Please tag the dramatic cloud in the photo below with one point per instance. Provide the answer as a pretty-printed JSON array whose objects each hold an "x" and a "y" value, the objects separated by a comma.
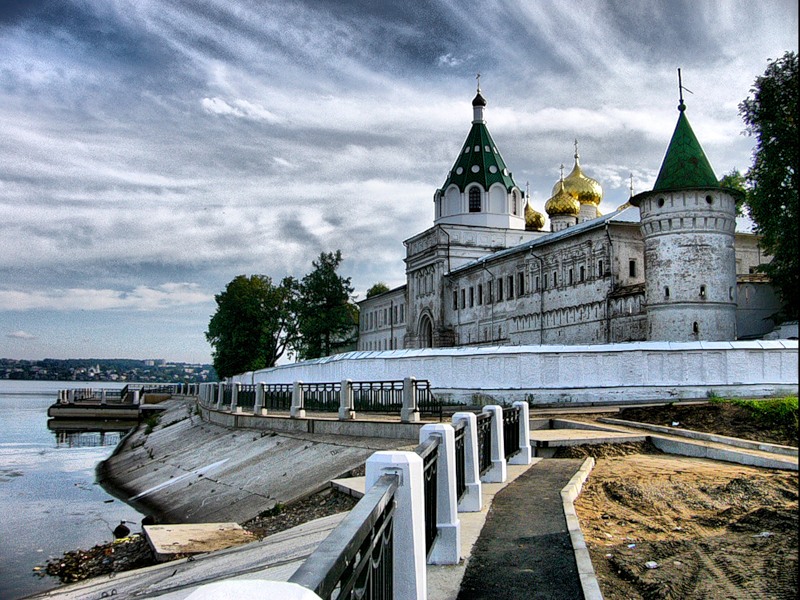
[{"x": 156, "y": 141}]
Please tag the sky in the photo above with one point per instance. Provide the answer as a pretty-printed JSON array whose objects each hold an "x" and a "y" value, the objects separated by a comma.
[{"x": 152, "y": 150}]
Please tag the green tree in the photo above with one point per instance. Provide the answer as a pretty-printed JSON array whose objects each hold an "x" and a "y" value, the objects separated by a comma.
[
  {"x": 770, "y": 115},
  {"x": 326, "y": 318},
  {"x": 253, "y": 324},
  {"x": 736, "y": 181},
  {"x": 378, "y": 288}
]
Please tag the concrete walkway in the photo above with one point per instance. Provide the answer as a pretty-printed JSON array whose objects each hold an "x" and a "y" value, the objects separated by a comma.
[{"x": 524, "y": 550}]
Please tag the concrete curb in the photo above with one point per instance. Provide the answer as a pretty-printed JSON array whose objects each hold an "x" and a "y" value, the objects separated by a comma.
[
  {"x": 706, "y": 437},
  {"x": 589, "y": 583},
  {"x": 701, "y": 449}
]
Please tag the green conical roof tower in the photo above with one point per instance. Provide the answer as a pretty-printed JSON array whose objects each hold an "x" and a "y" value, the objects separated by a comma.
[
  {"x": 479, "y": 161},
  {"x": 685, "y": 165}
]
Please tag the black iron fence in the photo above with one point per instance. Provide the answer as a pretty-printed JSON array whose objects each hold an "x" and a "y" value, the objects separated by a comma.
[
  {"x": 511, "y": 431},
  {"x": 278, "y": 396},
  {"x": 355, "y": 560},
  {"x": 377, "y": 396},
  {"x": 461, "y": 458},
  {"x": 427, "y": 403},
  {"x": 322, "y": 397},
  {"x": 246, "y": 397},
  {"x": 429, "y": 452},
  {"x": 484, "y": 426}
]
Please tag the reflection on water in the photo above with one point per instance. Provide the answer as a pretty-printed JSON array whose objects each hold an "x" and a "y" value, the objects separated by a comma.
[{"x": 88, "y": 434}]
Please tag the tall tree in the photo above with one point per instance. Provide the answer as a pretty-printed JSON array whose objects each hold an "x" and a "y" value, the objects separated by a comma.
[
  {"x": 378, "y": 288},
  {"x": 326, "y": 318},
  {"x": 253, "y": 324},
  {"x": 770, "y": 115}
]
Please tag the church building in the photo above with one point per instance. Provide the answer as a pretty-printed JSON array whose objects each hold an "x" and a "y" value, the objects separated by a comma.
[{"x": 667, "y": 265}]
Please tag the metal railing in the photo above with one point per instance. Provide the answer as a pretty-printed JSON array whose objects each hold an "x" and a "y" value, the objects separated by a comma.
[
  {"x": 511, "y": 431},
  {"x": 461, "y": 458},
  {"x": 377, "y": 396},
  {"x": 321, "y": 397},
  {"x": 427, "y": 403},
  {"x": 246, "y": 397},
  {"x": 484, "y": 426},
  {"x": 355, "y": 560},
  {"x": 277, "y": 396},
  {"x": 429, "y": 452}
]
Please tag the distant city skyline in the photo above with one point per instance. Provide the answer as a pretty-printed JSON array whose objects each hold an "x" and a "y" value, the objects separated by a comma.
[{"x": 153, "y": 150}]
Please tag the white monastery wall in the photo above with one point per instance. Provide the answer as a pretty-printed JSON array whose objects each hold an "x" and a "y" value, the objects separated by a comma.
[{"x": 634, "y": 372}]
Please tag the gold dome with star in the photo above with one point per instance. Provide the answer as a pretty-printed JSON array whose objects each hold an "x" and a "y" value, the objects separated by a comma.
[
  {"x": 584, "y": 189},
  {"x": 562, "y": 202}
]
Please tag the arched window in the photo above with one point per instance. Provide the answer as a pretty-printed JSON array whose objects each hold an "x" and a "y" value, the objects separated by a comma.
[
  {"x": 426, "y": 332},
  {"x": 514, "y": 202},
  {"x": 474, "y": 200}
]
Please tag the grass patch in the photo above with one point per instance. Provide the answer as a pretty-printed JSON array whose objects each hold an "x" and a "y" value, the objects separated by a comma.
[
  {"x": 150, "y": 423},
  {"x": 773, "y": 413}
]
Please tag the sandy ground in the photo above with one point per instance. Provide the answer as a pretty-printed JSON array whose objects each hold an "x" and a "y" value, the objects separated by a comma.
[{"x": 662, "y": 526}]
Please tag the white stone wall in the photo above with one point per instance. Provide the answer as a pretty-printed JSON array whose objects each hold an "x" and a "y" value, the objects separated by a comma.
[{"x": 639, "y": 371}]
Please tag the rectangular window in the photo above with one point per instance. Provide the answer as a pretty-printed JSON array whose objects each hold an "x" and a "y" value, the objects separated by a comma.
[
  {"x": 583, "y": 273},
  {"x": 455, "y": 300},
  {"x": 463, "y": 298},
  {"x": 471, "y": 297},
  {"x": 510, "y": 286},
  {"x": 402, "y": 312},
  {"x": 632, "y": 268},
  {"x": 500, "y": 290},
  {"x": 480, "y": 294},
  {"x": 520, "y": 284},
  {"x": 555, "y": 279},
  {"x": 385, "y": 317},
  {"x": 544, "y": 282},
  {"x": 570, "y": 277},
  {"x": 600, "y": 268},
  {"x": 537, "y": 283}
]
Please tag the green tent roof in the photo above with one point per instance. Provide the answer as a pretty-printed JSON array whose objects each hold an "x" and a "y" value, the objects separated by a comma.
[
  {"x": 479, "y": 162},
  {"x": 685, "y": 165}
]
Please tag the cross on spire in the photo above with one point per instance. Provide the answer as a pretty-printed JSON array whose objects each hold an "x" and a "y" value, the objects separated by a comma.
[
  {"x": 682, "y": 106},
  {"x": 562, "y": 171},
  {"x": 631, "y": 187},
  {"x": 478, "y": 77},
  {"x": 527, "y": 189},
  {"x": 576, "y": 149}
]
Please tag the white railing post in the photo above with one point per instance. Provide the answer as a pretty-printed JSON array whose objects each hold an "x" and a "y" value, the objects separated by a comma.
[
  {"x": 103, "y": 396},
  {"x": 136, "y": 399},
  {"x": 220, "y": 394},
  {"x": 409, "y": 568},
  {"x": 446, "y": 548},
  {"x": 523, "y": 457},
  {"x": 497, "y": 473},
  {"x": 297, "y": 410},
  {"x": 472, "y": 500},
  {"x": 410, "y": 411},
  {"x": 258, "y": 406},
  {"x": 346, "y": 408},
  {"x": 235, "y": 397}
]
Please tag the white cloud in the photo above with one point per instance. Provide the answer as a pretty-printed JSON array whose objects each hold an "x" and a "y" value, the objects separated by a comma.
[
  {"x": 21, "y": 335},
  {"x": 141, "y": 298},
  {"x": 239, "y": 108}
]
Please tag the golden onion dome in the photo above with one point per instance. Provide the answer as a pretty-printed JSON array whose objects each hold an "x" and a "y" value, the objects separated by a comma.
[
  {"x": 562, "y": 202},
  {"x": 534, "y": 220},
  {"x": 584, "y": 189}
]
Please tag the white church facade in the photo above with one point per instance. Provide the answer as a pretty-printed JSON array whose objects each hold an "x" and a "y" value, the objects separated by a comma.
[{"x": 667, "y": 265}]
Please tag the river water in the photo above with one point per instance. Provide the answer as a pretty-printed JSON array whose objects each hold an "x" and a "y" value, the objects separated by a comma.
[{"x": 49, "y": 500}]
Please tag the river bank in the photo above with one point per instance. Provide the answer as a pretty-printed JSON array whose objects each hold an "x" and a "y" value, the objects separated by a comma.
[{"x": 49, "y": 498}]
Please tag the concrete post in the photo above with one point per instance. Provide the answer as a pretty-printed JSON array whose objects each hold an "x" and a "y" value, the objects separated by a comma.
[
  {"x": 410, "y": 412},
  {"x": 136, "y": 399},
  {"x": 497, "y": 473},
  {"x": 446, "y": 548},
  {"x": 220, "y": 394},
  {"x": 472, "y": 500},
  {"x": 523, "y": 457},
  {"x": 297, "y": 411},
  {"x": 258, "y": 407},
  {"x": 410, "y": 571},
  {"x": 235, "y": 397},
  {"x": 346, "y": 409},
  {"x": 103, "y": 396},
  {"x": 251, "y": 590}
]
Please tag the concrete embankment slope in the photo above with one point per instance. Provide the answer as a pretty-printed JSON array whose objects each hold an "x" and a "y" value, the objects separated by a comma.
[{"x": 189, "y": 471}]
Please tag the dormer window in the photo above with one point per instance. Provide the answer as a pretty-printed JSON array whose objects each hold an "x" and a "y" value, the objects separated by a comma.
[{"x": 474, "y": 200}]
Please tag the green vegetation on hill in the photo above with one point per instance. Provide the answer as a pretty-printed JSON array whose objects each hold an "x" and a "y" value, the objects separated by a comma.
[{"x": 105, "y": 369}]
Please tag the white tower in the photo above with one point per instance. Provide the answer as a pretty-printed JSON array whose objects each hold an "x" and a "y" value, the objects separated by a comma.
[{"x": 688, "y": 224}]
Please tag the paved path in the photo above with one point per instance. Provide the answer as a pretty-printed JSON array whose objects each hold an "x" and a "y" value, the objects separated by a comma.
[{"x": 524, "y": 549}]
